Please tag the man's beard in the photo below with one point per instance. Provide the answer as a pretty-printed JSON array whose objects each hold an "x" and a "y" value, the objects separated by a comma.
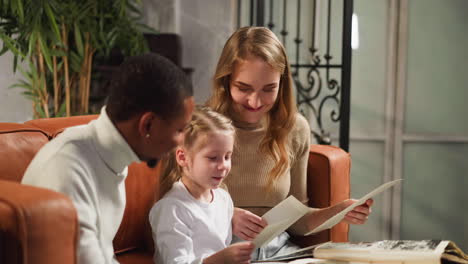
[{"x": 152, "y": 163}]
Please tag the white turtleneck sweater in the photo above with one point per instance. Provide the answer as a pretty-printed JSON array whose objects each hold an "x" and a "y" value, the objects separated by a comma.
[{"x": 88, "y": 163}]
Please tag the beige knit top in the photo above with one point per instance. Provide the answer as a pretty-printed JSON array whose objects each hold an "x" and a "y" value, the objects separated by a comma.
[{"x": 248, "y": 180}]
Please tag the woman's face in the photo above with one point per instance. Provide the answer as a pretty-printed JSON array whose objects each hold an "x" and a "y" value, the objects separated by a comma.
[{"x": 254, "y": 88}]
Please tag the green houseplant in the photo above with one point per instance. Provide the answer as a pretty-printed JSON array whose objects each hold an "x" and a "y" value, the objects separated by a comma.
[{"x": 54, "y": 43}]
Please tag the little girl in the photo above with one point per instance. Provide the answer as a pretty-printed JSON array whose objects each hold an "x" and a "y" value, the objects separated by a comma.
[{"x": 192, "y": 222}]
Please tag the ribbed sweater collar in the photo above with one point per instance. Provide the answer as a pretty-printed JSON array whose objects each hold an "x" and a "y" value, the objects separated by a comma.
[
  {"x": 238, "y": 123},
  {"x": 113, "y": 148}
]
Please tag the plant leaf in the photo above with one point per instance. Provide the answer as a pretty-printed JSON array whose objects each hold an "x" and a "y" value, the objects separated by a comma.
[
  {"x": 146, "y": 29},
  {"x": 78, "y": 39},
  {"x": 85, "y": 10},
  {"x": 10, "y": 43},
  {"x": 25, "y": 86},
  {"x": 52, "y": 19},
  {"x": 46, "y": 54},
  {"x": 62, "y": 110},
  {"x": 40, "y": 110},
  {"x": 15, "y": 63},
  {"x": 25, "y": 74},
  {"x": 4, "y": 50},
  {"x": 32, "y": 42},
  {"x": 58, "y": 53},
  {"x": 21, "y": 11},
  {"x": 75, "y": 61},
  {"x": 134, "y": 8}
]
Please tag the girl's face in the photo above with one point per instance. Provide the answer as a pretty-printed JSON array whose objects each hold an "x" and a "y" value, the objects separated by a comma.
[
  {"x": 254, "y": 88},
  {"x": 206, "y": 167}
]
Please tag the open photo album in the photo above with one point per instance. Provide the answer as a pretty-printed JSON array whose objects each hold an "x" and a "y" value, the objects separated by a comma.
[{"x": 385, "y": 251}]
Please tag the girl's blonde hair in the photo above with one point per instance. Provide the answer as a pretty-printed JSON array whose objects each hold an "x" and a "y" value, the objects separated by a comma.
[
  {"x": 262, "y": 43},
  {"x": 204, "y": 121}
]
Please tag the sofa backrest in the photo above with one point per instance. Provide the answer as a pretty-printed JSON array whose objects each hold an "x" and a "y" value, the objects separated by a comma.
[
  {"x": 20, "y": 142},
  {"x": 18, "y": 145}
]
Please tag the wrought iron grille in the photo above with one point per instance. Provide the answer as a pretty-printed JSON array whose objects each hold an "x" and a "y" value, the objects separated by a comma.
[{"x": 321, "y": 73}]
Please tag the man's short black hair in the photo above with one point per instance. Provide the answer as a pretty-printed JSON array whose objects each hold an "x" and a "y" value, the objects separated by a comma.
[{"x": 147, "y": 83}]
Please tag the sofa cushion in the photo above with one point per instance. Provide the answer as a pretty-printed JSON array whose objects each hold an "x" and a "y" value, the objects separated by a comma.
[
  {"x": 19, "y": 143},
  {"x": 34, "y": 223},
  {"x": 54, "y": 126},
  {"x": 142, "y": 190}
]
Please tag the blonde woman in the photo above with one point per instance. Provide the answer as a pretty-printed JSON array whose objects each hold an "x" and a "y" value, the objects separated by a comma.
[{"x": 253, "y": 86}]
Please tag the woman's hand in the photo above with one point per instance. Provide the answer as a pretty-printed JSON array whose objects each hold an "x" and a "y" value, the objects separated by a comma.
[
  {"x": 247, "y": 225},
  {"x": 359, "y": 214}
]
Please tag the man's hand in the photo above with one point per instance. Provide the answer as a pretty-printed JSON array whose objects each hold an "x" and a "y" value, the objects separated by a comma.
[
  {"x": 247, "y": 225},
  {"x": 238, "y": 253}
]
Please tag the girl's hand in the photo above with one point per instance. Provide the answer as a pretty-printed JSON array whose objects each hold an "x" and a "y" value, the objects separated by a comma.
[
  {"x": 238, "y": 253},
  {"x": 359, "y": 214},
  {"x": 247, "y": 225}
]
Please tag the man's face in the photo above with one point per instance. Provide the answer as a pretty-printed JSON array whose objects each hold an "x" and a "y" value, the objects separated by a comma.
[{"x": 166, "y": 134}]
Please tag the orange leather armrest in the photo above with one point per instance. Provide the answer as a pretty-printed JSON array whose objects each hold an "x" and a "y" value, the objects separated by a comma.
[
  {"x": 328, "y": 183},
  {"x": 36, "y": 225}
]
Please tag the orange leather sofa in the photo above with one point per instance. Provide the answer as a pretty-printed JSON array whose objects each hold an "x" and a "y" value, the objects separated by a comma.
[{"x": 39, "y": 226}]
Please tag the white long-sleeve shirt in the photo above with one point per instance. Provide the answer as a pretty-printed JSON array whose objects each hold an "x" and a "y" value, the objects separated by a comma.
[
  {"x": 88, "y": 163},
  {"x": 185, "y": 230}
]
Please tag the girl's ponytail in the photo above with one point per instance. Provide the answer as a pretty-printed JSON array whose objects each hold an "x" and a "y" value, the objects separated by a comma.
[{"x": 170, "y": 173}]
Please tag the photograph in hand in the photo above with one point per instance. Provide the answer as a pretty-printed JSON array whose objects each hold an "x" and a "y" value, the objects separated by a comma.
[{"x": 286, "y": 213}]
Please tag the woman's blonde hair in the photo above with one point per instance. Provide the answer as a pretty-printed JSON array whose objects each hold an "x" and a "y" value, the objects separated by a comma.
[
  {"x": 262, "y": 43},
  {"x": 204, "y": 121}
]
